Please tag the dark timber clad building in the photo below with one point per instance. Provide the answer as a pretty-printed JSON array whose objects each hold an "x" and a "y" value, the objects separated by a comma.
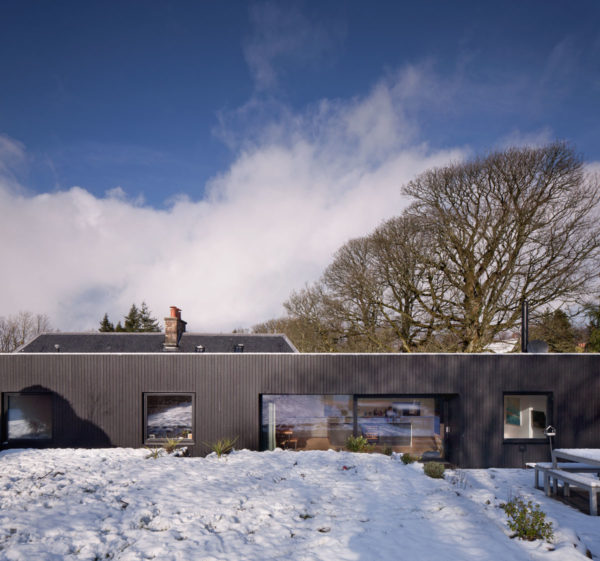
[{"x": 474, "y": 410}]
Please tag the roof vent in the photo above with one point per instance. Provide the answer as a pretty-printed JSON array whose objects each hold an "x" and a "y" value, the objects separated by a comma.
[
  {"x": 57, "y": 348},
  {"x": 238, "y": 348},
  {"x": 200, "y": 348}
]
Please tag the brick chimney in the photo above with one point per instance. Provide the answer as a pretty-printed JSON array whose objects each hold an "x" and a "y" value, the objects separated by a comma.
[{"x": 174, "y": 329}]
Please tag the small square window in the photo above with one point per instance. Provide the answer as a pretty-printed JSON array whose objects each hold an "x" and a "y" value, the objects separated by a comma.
[
  {"x": 168, "y": 416},
  {"x": 28, "y": 417},
  {"x": 525, "y": 415}
]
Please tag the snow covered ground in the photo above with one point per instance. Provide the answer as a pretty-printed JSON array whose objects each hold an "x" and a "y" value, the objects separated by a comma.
[{"x": 117, "y": 504}]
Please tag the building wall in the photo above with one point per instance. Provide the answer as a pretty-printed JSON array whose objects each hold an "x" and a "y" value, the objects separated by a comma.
[{"x": 99, "y": 398}]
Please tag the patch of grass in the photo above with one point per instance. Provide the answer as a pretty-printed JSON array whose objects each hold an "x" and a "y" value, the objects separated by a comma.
[
  {"x": 358, "y": 444},
  {"x": 528, "y": 521},
  {"x": 434, "y": 470},
  {"x": 222, "y": 447}
]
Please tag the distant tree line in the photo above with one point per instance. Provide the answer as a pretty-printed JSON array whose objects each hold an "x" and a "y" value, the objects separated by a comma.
[
  {"x": 20, "y": 329},
  {"x": 451, "y": 271},
  {"x": 137, "y": 320}
]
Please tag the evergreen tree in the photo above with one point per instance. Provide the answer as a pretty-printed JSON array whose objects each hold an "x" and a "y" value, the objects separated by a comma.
[
  {"x": 147, "y": 322},
  {"x": 593, "y": 314},
  {"x": 555, "y": 328},
  {"x": 106, "y": 325},
  {"x": 132, "y": 319},
  {"x": 137, "y": 320}
]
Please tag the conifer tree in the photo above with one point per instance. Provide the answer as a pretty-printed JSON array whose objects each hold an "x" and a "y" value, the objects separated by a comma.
[
  {"x": 593, "y": 314},
  {"x": 106, "y": 325},
  {"x": 147, "y": 322},
  {"x": 132, "y": 319},
  {"x": 137, "y": 320}
]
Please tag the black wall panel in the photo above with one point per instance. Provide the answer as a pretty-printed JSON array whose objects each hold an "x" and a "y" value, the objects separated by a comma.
[{"x": 98, "y": 397}]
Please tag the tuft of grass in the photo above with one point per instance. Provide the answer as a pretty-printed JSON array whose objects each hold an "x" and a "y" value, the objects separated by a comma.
[
  {"x": 222, "y": 447},
  {"x": 527, "y": 520},
  {"x": 358, "y": 444},
  {"x": 434, "y": 469},
  {"x": 171, "y": 444},
  {"x": 154, "y": 453}
]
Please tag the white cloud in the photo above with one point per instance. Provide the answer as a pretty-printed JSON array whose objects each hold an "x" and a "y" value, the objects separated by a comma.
[
  {"x": 534, "y": 139},
  {"x": 283, "y": 34},
  {"x": 271, "y": 222}
]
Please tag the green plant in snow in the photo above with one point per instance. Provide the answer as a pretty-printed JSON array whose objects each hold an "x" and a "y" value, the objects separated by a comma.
[
  {"x": 434, "y": 469},
  {"x": 222, "y": 446},
  {"x": 388, "y": 451},
  {"x": 527, "y": 520},
  {"x": 408, "y": 458},
  {"x": 171, "y": 444},
  {"x": 358, "y": 444},
  {"x": 154, "y": 453}
]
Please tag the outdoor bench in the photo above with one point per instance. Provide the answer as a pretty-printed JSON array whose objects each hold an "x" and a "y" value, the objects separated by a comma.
[
  {"x": 566, "y": 466},
  {"x": 568, "y": 478}
]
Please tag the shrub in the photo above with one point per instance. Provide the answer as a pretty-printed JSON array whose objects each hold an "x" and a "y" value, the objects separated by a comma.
[
  {"x": 171, "y": 444},
  {"x": 434, "y": 469},
  {"x": 408, "y": 459},
  {"x": 388, "y": 451},
  {"x": 222, "y": 446},
  {"x": 358, "y": 444},
  {"x": 528, "y": 521}
]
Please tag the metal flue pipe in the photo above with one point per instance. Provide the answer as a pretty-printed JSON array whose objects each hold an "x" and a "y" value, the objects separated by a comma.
[{"x": 524, "y": 326}]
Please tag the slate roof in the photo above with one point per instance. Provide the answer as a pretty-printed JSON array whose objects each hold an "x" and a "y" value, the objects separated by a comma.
[{"x": 153, "y": 343}]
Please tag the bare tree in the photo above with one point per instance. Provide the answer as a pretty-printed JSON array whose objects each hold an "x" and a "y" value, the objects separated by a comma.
[
  {"x": 398, "y": 246},
  {"x": 316, "y": 327},
  {"x": 21, "y": 328},
  {"x": 519, "y": 224},
  {"x": 450, "y": 273}
]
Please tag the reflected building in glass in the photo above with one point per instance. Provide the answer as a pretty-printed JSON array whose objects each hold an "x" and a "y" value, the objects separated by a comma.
[{"x": 320, "y": 422}]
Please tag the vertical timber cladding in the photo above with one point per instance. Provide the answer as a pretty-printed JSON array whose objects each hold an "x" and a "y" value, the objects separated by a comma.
[{"x": 99, "y": 397}]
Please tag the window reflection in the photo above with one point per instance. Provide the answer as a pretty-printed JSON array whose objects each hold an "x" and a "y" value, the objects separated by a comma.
[
  {"x": 406, "y": 424},
  {"x": 320, "y": 422},
  {"x": 168, "y": 416},
  {"x": 29, "y": 417},
  {"x": 308, "y": 422}
]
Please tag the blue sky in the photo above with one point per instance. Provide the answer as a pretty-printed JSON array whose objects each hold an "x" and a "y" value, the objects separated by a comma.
[{"x": 189, "y": 140}]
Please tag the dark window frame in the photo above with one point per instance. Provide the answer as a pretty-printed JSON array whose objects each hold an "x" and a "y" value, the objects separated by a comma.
[
  {"x": 160, "y": 441},
  {"x": 30, "y": 442},
  {"x": 549, "y": 417}
]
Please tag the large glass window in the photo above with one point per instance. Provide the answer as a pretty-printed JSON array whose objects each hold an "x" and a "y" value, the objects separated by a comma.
[
  {"x": 319, "y": 422},
  {"x": 525, "y": 415},
  {"x": 308, "y": 422},
  {"x": 168, "y": 416},
  {"x": 28, "y": 416},
  {"x": 406, "y": 424}
]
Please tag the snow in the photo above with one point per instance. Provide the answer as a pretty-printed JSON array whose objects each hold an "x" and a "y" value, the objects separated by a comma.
[
  {"x": 592, "y": 454},
  {"x": 119, "y": 504}
]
